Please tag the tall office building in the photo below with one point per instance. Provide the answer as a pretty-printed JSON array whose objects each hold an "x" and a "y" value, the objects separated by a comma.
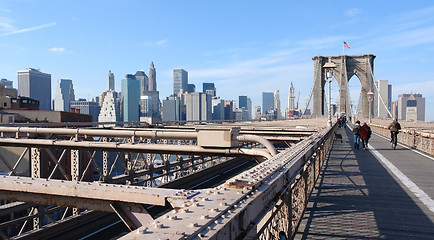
[
  {"x": 111, "y": 81},
  {"x": 277, "y": 104},
  {"x": 191, "y": 88},
  {"x": 209, "y": 88},
  {"x": 152, "y": 85},
  {"x": 291, "y": 98},
  {"x": 417, "y": 107},
  {"x": 245, "y": 102},
  {"x": 64, "y": 95},
  {"x": 218, "y": 108},
  {"x": 257, "y": 112},
  {"x": 110, "y": 107},
  {"x": 198, "y": 106},
  {"x": 6, "y": 83},
  {"x": 180, "y": 81},
  {"x": 384, "y": 105},
  {"x": 242, "y": 102},
  {"x": 143, "y": 80},
  {"x": 35, "y": 84},
  {"x": 172, "y": 109},
  {"x": 83, "y": 106},
  {"x": 267, "y": 102},
  {"x": 130, "y": 98}
]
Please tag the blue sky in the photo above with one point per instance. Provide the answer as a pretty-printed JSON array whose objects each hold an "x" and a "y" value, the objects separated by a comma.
[{"x": 244, "y": 47}]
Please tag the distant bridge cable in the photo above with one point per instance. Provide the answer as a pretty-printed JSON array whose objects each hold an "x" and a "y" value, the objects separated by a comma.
[
  {"x": 318, "y": 75},
  {"x": 376, "y": 88}
]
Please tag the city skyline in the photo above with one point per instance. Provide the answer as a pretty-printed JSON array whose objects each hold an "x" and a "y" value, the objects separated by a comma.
[{"x": 227, "y": 50}]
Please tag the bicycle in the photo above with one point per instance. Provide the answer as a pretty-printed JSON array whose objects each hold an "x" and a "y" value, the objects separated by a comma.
[{"x": 394, "y": 140}]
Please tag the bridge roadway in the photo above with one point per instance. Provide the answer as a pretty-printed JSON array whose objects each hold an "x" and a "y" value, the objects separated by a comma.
[{"x": 379, "y": 193}]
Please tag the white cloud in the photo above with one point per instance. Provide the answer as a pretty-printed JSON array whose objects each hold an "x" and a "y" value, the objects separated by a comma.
[
  {"x": 352, "y": 12},
  {"x": 159, "y": 43},
  {"x": 162, "y": 42},
  {"x": 6, "y": 24},
  {"x": 57, "y": 49},
  {"x": 29, "y": 29}
]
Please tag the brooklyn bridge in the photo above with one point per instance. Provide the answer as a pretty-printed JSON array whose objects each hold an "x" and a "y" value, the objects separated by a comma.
[{"x": 288, "y": 179}]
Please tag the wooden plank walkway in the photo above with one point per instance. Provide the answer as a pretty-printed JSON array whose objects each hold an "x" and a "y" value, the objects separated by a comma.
[{"x": 358, "y": 197}]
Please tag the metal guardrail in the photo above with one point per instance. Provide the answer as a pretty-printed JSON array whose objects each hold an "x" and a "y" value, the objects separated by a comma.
[
  {"x": 421, "y": 141},
  {"x": 285, "y": 216}
]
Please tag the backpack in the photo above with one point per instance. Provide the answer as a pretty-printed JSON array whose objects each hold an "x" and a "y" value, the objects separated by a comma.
[
  {"x": 356, "y": 130},
  {"x": 397, "y": 126}
]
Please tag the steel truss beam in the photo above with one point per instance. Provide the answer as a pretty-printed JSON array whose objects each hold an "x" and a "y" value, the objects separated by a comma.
[
  {"x": 229, "y": 210},
  {"x": 86, "y": 195}
]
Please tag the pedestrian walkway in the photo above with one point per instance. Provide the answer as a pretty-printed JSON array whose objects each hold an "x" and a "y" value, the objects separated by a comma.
[{"x": 359, "y": 197}]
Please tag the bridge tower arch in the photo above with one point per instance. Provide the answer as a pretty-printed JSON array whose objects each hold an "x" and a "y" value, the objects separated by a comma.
[{"x": 346, "y": 67}]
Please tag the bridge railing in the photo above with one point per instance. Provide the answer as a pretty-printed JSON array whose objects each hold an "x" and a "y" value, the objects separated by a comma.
[
  {"x": 285, "y": 217},
  {"x": 421, "y": 141}
]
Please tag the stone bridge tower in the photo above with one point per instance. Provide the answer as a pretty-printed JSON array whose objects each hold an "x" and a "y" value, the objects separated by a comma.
[{"x": 346, "y": 66}]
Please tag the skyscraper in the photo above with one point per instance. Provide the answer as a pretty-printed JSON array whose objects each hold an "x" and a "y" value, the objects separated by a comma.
[
  {"x": 245, "y": 102},
  {"x": 198, "y": 106},
  {"x": 110, "y": 107},
  {"x": 64, "y": 95},
  {"x": 291, "y": 98},
  {"x": 209, "y": 88},
  {"x": 35, "y": 84},
  {"x": 143, "y": 80},
  {"x": 180, "y": 81},
  {"x": 172, "y": 109},
  {"x": 267, "y": 102},
  {"x": 417, "y": 106},
  {"x": 191, "y": 88},
  {"x": 385, "y": 91},
  {"x": 111, "y": 81},
  {"x": 152, "y": 86},
  {"x": 277, "y": 104},
  {"x": 131, "y": 98}
]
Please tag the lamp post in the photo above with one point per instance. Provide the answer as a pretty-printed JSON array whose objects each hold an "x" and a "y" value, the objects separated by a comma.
[
  {"x": 370, "y": 99},
  {"x": 328, "y": 67}
]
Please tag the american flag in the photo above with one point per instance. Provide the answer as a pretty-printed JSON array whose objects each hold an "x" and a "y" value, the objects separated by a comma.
[{"x": 346, "y": 45}]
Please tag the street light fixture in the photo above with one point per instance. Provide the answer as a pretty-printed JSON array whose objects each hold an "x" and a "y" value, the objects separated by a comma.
[
  {"x": 328, "y": 67},
  {"x": 370, "y": 99}
]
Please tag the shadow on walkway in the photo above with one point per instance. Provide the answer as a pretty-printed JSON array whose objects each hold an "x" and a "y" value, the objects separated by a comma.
[{"x": 357, "y": 198}]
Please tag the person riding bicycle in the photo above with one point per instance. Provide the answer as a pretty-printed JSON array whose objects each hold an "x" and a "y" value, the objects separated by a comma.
[{"x": 394, "y": 129}]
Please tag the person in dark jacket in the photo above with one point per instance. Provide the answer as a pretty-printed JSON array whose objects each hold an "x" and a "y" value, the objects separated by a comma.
[
  {"x": 394, "y": 129},
  {"x": 365, "y": 134}
]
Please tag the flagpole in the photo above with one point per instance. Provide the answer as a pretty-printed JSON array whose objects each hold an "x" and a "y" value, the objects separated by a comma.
[{"x": 343, "y": 49}]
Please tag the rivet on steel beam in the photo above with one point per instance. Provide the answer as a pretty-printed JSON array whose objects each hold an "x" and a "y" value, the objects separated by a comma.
[
  {"x": 141, "y": 230},
  {"x": 193, "y": 224},
  {"x": 158, "y": 225}
]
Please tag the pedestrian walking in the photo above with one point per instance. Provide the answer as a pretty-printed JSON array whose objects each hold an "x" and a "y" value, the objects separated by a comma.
[
  {"x": 365, "y": 134},
  {"x": 356, "y": 132}
]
